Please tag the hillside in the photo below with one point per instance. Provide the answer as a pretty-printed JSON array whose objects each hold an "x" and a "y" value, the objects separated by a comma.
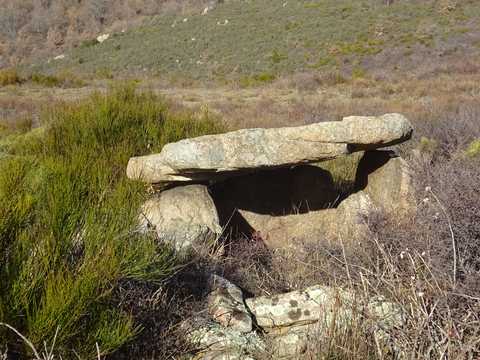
[
  {"x": 29, "y": 28},
  {"x": 340, "y": 222},
  {"x": 255, "y": 41}
]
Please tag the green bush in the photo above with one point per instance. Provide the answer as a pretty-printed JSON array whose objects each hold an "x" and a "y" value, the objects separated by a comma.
[
  {"x": 9, "y": 77},
  {"x": 45, "y": 80},
  {"x": 66, "y": 218},
  {"x": 427, "y": 146},
  {"x": 473, "y": 149},
  {"x": 88, "y": 43},
  {"x": 256, "y": 80},
  {"x": 64, "y": 79}
]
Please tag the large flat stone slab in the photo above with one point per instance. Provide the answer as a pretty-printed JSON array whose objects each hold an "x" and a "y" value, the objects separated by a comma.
[
  {"x": 347, "y": 221},
  {"x": 213, "y": 156}
]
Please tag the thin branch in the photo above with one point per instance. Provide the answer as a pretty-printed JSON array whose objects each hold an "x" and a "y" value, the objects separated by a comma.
[
  {"x": 23, "y": 338},
  {"x": 454, "y": 244}
]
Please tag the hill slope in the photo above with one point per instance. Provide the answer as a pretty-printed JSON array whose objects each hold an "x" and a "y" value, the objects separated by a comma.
[{"x": 268, "y": 38}]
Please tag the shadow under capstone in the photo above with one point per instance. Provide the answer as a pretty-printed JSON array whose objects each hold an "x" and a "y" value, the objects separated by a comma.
[
  {"x": 371, "y": 161},
  {"x": 276, "y": 192},
  {"x": 307, "y": 193}
]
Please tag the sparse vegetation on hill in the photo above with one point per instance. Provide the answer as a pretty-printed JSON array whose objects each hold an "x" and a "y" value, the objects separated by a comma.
[
  {"x": 256, "y": 40},
  {"x": 42, "y": 28}
]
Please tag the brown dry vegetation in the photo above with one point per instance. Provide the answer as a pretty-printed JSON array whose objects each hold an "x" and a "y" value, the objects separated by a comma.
[{"x": 39, "y": 27}]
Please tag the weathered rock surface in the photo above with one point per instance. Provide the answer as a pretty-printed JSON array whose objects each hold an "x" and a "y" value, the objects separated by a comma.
[
  {"x": 348, "y": 221},
  {"x": 388, "y": 180},
  {"x": 207, "y": 157},
  {"x": 226, "y": 305},
  {"x": 185, "y": 217},
  {"x": 293, "y": 321},
  {"x": 218, "y": 342},
  {"x": 229, "y": 354},
  {"x": 317, "y": 303},
  {"x": 292, "y": 342}
]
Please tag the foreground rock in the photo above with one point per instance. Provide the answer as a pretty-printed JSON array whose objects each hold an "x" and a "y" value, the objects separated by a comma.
[
  {"x": 226, "y": 305},
  {"x": 185, "y": 217},
  {"x": 289, "y": 324},
  {"x": 216, "y": 156},
  {"x": 295, "y": 321},
  {"x": 301, "y": 307},
  {"x": 217, "y": 342}
]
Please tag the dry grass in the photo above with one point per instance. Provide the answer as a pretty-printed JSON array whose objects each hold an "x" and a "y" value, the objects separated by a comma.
[{"x": 9, "y": 77}]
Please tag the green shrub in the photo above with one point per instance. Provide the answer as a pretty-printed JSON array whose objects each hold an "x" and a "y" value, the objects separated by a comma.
[
  {"x": 45, "y": 80},
  {"x": 9, "y": 77},
  {"x": 256, "y": 80},
  {"x": 88, "y": 43},
  {"x": 104, "y": 73},
  {"x": 428, "y": 146},
  {"x": 358, "y": 73},
  {"x": 473, "y": 149},
  {"x": 277, "y": 57},
  {"x": 66, "y": 218},
  {"x": 63, "y": 79}
]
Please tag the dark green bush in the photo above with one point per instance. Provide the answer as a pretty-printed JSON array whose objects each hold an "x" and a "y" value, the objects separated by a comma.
[{"x": 66, "y": 218}]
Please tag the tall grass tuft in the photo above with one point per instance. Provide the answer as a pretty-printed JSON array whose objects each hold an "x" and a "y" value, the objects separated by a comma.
[
  {"x": 67, "y": 214},
  {"x": 9, "y": 77}
]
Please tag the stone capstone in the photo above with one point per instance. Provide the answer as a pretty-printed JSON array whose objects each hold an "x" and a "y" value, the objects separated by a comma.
[
  {"x": 215, "y": 156},
  {"x": 184, "y": 217}
]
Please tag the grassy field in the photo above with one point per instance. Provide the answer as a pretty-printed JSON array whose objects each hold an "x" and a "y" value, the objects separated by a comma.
[{"x": 256, "y": 41}]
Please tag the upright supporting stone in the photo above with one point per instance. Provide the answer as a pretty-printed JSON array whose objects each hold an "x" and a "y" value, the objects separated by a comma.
[
  {"x": 387, "y": 179},
  {"x": 185, "y": 217}
]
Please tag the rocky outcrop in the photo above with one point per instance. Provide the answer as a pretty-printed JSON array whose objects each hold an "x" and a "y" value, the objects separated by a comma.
[
  {"x": 269, "y": 183},
  {"x": 300, "y": 307},
  {"x": 293, "y": 321},
  {"x": 214, "y": 157},
  {"x": 184, "y": 217},
  {"x": 217, "y": 342},
  {"x": 226, "y": 305},
  {"x": 273, "y": 186}
]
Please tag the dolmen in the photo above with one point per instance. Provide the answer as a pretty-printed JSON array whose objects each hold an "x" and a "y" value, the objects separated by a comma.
[{"x": 272, "y": 183}]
